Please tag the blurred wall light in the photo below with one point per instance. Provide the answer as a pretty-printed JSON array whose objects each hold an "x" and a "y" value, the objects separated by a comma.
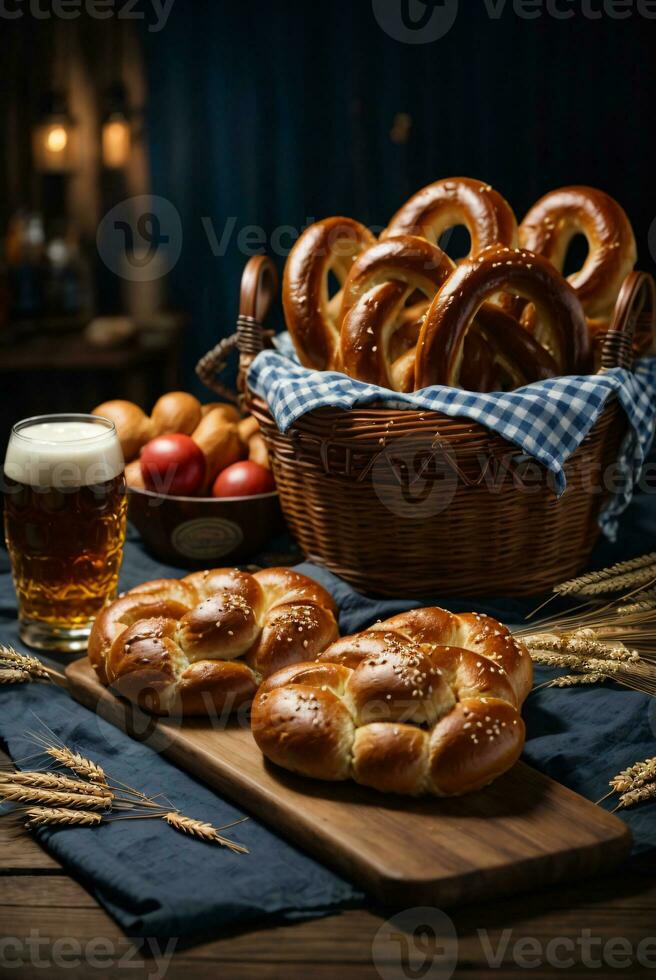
[
  {"x": 117, "y": 129},
  {"x": 54, "y": 137}
]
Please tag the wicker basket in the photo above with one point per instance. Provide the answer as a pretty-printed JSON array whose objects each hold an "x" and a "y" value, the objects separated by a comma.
[{"x": 416, "y": 503}]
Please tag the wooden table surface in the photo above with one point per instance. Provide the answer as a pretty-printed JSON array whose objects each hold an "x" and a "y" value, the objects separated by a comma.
[{"x": 599, "y": 922}]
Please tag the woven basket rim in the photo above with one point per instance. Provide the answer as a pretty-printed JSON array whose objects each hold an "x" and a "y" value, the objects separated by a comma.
[{"x": 371, "y": 420}]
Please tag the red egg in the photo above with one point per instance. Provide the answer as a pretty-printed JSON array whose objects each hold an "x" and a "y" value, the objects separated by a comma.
[
  {"x": 243, "y": 479},
  {"x": 173, "y": 464}
]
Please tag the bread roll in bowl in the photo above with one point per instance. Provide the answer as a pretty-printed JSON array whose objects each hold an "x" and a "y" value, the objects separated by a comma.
[
  {"x": 229, "y": 412},
  {"x": 177, "y": 411},
  {"x": 219, "y": 440},
  {"x": 133, "y": 427},
  {"x": 202, "y": 644},
  {"x": 426, "y": 702},
  {"x": 258, "y": 452},
  {"x": 247, "y": 428}
]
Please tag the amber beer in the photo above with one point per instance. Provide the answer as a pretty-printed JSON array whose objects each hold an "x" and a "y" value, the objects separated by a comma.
[{"x": 65, "y": 513}]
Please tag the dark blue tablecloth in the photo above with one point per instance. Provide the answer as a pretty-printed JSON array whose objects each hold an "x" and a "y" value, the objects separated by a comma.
[{"x": 157, "y": 883}]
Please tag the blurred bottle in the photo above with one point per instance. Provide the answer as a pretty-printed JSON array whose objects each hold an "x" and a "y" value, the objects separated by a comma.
[
  {"x": 5, "y": 300},
  {"x": 25, "y": 252},
  {"x": 67, "y": 291}
]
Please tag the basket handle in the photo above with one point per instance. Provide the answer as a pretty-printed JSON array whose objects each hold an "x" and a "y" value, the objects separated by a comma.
[
  {"x": 259, "y": 286},
  {"x": 633, "y": 328}
]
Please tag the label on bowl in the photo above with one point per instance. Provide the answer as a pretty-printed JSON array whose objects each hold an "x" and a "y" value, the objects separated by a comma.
[{"x": 206, "y": 537}]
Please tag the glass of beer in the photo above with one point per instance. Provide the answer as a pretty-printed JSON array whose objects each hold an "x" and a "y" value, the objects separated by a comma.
[{"x": 65, "y": 514}]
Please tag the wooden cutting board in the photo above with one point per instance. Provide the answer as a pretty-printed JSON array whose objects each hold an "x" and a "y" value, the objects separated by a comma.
[{"x": 523, "y": 832}]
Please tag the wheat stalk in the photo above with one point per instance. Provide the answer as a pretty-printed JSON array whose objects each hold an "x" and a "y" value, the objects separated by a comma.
[
  {"x": 17, "y": 793},
  {"x": 636, "y": 796},
  {"x": 582, "y": 643},
  {"x": 611, "y": 579},
  {"x": 12, "y": 675},
  {"x": 52, "y": 780},
  {"x": 574, "y": 680},
  {"x": 77, "y": 763},
  {"x": 39, "y": 816},
  {"x": 73, "y": 801},
  {"x": 11, "y": 659},
  {"x": 635, "y": 776},
  {"x": 201, "y": 830}
]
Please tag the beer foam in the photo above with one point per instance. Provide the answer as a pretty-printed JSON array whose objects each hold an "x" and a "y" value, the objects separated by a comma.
[{"x": 64, "y": 454}]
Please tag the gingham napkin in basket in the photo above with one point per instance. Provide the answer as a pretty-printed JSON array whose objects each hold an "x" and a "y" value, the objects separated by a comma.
[{"x": 547, "y": 420}]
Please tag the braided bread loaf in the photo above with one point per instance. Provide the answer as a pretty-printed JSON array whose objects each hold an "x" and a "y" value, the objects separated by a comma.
[
  {"x": 203, "y": 643},
  {"x": 425, "y": 702}
]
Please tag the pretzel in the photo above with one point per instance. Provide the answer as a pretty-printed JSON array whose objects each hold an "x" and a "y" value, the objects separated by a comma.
[
  {"x": 424, "y": 703},
  {"x": 311, "y": 315},
  {"x": 454, "y": 201},
  {"x": 379, "y": 331},
  {"x": 563, "y": 329},
  {"x": 500, "y": 355},
  {"x": 556, "y": 218},
  {"x": 202, "y": 643}
]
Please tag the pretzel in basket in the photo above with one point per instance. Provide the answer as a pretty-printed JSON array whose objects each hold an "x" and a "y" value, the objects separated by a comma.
[
  {"x": 201, "y": 644},
  {"x": 500, "y": 355},
  {"x": 444, "y": 204},
  {"x": 558, "y": 217},
  {"x": 312, "y": 315},
  {"x": 379, "y": 330},
  {"x": 426, "y": 702},
  {"x": 563, "y": 328}
]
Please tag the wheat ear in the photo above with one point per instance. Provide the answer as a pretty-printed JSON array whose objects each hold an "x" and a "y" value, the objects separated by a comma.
[
  {"x": 16, "y": 793},
  {"x": 77, "y": 763},
  {"x": 636, "y": 796},
  {"x": 36, "y": 670},
  {"x": 582, "y": 645},
  {"x": 40, "y": 816},
  {"x": 13, "y": 675},
  {"x": 573, "y": 680},
  {"x": 201, "y": 830},
  {"x": 53, "y": 780},
  {"x": 635, "y": 776},
  {"x": 613, "y": 574}
]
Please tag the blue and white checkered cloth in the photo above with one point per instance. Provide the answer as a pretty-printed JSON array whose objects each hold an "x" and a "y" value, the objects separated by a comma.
[{"x": 547, "y": 420}]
